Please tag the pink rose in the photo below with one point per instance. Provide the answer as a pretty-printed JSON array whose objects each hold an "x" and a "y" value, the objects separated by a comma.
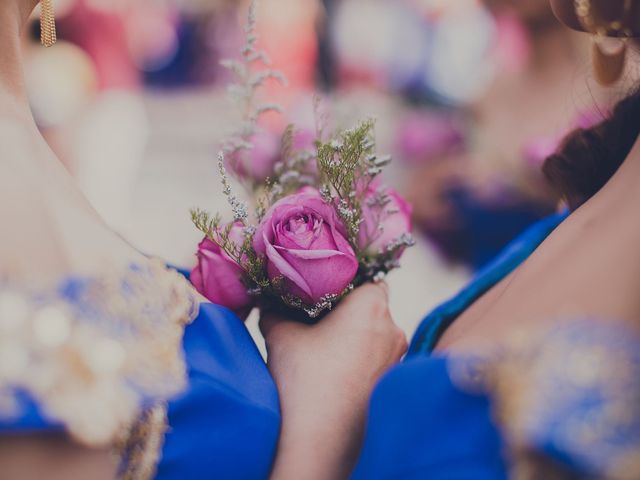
[
  {"x": 304, "y": 242},
  {"x": 257, "y": 163},
  {"x": 218, "y": 277},
  {"x": 383, "y": 223}
]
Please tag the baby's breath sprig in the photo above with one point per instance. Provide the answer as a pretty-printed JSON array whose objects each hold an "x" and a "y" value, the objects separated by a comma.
[
  {"x": 250, "y": 72},
  {"x": 325, "y": 304},
  {"x": 320, "y": 117},
  {"x": 239, "y": 208},
  {"x": 375, "y": 266}
]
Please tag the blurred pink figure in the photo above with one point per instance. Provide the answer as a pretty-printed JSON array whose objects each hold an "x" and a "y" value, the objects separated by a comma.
[
  {"x": 292, "y": 19},
  {"x": 424, "y": 136},
  {"x": 102, "y": 34},
  {"x": 538, "y": 150},
  {"x": 513, "y": 43}
]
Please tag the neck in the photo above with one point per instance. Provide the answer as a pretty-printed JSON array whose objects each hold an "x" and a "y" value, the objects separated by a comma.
[
  {"x": 13, "y": 95},
  {"x": 622, "y": 192},
  {"x": 629, "y": 172}
]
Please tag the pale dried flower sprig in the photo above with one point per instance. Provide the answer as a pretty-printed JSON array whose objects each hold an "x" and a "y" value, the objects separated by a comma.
[
  {"x": 251, "y": 72},
  {"x": 239, "y": 208},
  {"x": 349, "y": 166}
]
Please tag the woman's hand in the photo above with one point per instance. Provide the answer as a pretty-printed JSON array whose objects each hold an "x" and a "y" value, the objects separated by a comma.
[{"x": 325, "y": 375}]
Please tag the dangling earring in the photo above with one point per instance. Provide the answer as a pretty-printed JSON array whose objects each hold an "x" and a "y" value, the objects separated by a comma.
[
  {"x": 48, "y": 35},
  {"x": 609, "y": 58},
  {"x": 608, "y": 54}
]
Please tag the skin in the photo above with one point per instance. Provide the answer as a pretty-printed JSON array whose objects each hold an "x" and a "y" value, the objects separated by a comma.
[
  {"x": 571, "y": 272},
  {"x": 53, "y": 457},
  {"x": 545, "y": 88}
]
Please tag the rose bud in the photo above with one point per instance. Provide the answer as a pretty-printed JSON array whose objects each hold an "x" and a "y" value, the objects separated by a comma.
[
  {"x": 257, "y": 163},
  {"x": 386, "y": 218},
  {"x": 218, "y": 277}
]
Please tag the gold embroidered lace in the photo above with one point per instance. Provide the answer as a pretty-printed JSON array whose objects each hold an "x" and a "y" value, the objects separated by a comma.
[{"x": 94, "y": 352}]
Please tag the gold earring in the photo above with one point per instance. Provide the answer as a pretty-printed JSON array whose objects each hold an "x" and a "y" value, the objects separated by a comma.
[
  {"x": 609, "y": 60},
  {"x": 48, "y": 34},
  {"x": 608, "y": 55}
]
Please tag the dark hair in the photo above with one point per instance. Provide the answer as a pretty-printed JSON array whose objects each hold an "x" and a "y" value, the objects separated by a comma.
[{"x": 588, "y": 158}]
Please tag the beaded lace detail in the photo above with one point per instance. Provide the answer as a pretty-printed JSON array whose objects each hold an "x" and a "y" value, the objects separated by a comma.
[
  {"x": 575, "y": 393},
  {"x": 94, "y": 352}
]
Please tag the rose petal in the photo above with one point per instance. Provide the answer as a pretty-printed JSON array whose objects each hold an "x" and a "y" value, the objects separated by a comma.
[
  {"x": 310, "y": 254},
  {"x": 324, "y": 275},
  {"x": 285, "y": 268}
]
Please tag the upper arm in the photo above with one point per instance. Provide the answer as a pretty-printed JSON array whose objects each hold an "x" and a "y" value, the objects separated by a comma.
[{"x": 54, "y": 457}]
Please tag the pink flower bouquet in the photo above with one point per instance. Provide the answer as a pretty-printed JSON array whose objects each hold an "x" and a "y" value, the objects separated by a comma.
[
  {"x": 310, "y": 242},
  {"x": 322, "y": 223}
]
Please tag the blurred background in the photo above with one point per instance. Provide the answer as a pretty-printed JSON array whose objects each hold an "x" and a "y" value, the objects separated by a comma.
[{"x": 470, "y": 97}]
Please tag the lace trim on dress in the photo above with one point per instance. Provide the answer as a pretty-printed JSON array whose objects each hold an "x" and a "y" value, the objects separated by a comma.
[
  {"x": 140, "y": 450},
  {"x": 568, "y": 405},
  {"x": 93, "y": 352}
]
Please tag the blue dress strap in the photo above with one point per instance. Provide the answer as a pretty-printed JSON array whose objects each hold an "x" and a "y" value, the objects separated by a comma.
[{"x": 437, "y": 322}]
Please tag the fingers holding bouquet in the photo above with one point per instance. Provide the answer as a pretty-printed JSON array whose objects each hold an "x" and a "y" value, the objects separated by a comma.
[{"x": 334, "y": 364}]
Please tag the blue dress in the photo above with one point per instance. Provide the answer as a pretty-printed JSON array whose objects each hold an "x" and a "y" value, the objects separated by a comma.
[{"x": 441, "y": 417}]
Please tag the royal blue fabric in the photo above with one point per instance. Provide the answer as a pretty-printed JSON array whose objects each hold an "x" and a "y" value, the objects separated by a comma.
[
  {"x": 226, "y": 425},
  {"x": 420, "y": 424}
]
